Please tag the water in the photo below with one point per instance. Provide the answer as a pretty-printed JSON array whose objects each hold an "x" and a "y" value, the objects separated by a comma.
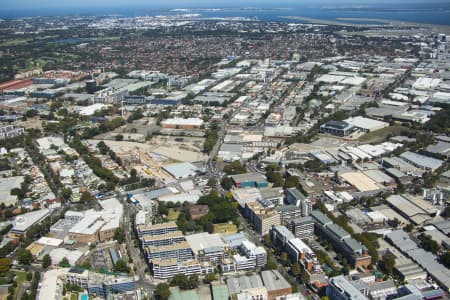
[
  {"x": 426, "y": 12},
  {"x": 84, "y": 297}
]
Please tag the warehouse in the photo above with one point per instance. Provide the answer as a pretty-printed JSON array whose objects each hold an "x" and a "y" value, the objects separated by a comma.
[
  {"x": 360, "y": 181},
  {"x": 407, "y": 209},
  {"x": 366, "y": 124},
  {"x": 181, "y": 170},
  {"x": 421, "y": 161},
  {"x": 337, "y": 128},
  {"x": 179, "y": 123},
  {"x": 250, "y": 180}
]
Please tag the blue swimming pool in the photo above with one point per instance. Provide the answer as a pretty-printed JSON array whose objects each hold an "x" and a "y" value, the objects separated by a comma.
[{"x": 84, "y": 297}]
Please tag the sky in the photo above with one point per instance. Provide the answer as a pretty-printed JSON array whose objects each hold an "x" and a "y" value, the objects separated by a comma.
[{"x": 40, "y": 4}]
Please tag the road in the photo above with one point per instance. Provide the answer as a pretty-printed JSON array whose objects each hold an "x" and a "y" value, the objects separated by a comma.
[{"x": 138, "y": 260}]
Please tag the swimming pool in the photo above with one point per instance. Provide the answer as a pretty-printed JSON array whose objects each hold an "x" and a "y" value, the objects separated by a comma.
[{"x": 84, "y": 297}]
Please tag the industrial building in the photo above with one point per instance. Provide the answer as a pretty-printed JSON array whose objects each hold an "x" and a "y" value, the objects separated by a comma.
[
  {"x": 179, "y": 123},
  {"x": 23, "y": 222},
  {"x": 250, "y": 180}
]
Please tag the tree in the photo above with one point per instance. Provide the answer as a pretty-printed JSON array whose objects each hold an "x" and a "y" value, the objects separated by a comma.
[
  {"x": 121, "y": 266},
  {"x": 180, "y": 280},
  {"x": 119, "y": 137},
  {"x": 445, "y": 258},
  {"x": 119, "y": 235},
  {"x": 24, "y": 257},
  {"x": 64, "y": 263},
  {"x": 388, "y": 263},
  {"x": 226, "y": 182},
  {"x": 86, "y": 197},
  {"x": 66, "y": 193},
  {"x": 162, "y": 291},
  {"x": 193, "y": 281},
  {"x": 209, "y": 278},
  {"x": 4, "y": 265},
  {"x": 46, "y": 261},
  {"x": 296, "y": 269}
]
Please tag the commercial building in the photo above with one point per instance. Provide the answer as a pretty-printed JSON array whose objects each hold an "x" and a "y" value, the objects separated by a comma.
[
  {"x": 10, "y": 131},
  {"x": 340, "y": 288},
  {"x": 180, "y": 251},
  {"x": 262, "y": 218},
  {"x": 167, "y": 268},
  {"x": 23, "y": 222},
  {"x": 288, "y": 213},
  {"x": 366, "y": 124},
  {"x": 163, "y": 239},
  {"x": 355, "y": 253},
  {"x": 338, "y": 128},
  {"x": 156, "y": 229},
  {"x": 93, "y": 226},
  {"x": 303, "y": 228},
  {"x": 250, "y": 180}
]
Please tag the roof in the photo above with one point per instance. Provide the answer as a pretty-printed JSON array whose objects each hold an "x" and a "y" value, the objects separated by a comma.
[
  {"x": 284, "y": 232},
  {"x": 422, "y": 160},
  {"x": 360, "y": 181},
  {"x": 181, "y": 170},
  {"x": 338, "y": 231},
  {"x": 248, "y": 177},
  {"x": 220, "y": 292},
  {"x": 366, "y": 123},
  {"x": 344, "y": 285},
  {"x": 6, "y": 185},
  {"x": 320, "y": 217},
  {"x": 234, "y": 240},
  {"x": 177, "y": 294},
  {"x": 274, "y": 281},
  {"x": 296, "y": 193},
  {"x": 204, "y": 240},
  {"x": 25, "y": 221}
]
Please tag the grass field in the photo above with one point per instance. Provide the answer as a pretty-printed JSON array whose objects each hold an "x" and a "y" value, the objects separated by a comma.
[{"x": 382, "y": 135}]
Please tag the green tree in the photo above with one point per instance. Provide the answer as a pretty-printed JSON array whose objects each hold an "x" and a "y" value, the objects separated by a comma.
[
  {"x": 24, "y": 257},
  {"x": 445, "y": 258},
  {"x": 121, "y": 266},
  {"x": 209, "y": 278},
  {"x": 193, "y": 281},
  {"x": 4, "y": 265},
  {"x": 162, "y": 291},
  {"x": 180, "y": 280},
  {"x": 119, "y": 235},
  {"x": 46, "y": 261},
  {"x": 388, "y": 263},
  {"x": 226, "y": 182},
  {"x": 64, "y": 263}
]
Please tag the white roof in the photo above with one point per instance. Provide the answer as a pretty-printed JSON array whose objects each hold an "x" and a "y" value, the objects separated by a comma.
[
  {"x": 300, "y": 246},
  {"x": 46, "y": 142},
  {"x": 425, "y": 83},
  {"x": 23, "y": 222},
  {"x": 91, "y": 109},
  {"x": 47, "y": 241},
  {"x": 6, "y": 185},
  {"x": 180, "y": 121},
  {"x": 377, "y": 216},
  {"x": 366, "y": 123},
  {"x": 204, "y": 240}
]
